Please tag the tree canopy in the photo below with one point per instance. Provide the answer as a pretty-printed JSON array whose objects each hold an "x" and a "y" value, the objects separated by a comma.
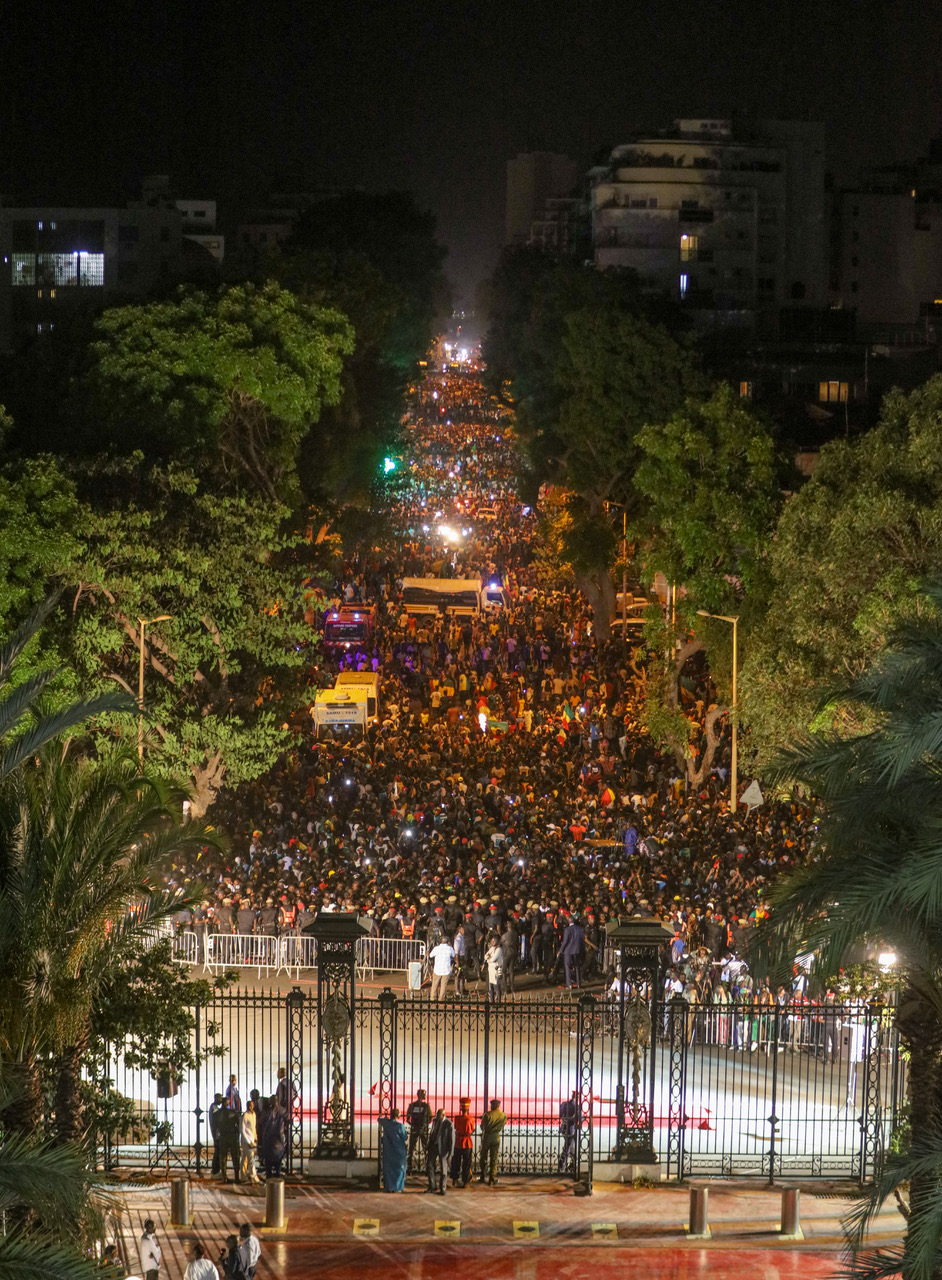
[
  {"x": 223, "y": 674},
  {"x": 233, "y": 381},
  {"x": 850, "y": 549}
]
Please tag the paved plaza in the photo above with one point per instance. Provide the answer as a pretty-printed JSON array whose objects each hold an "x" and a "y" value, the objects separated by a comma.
[{"x": 529, "y": 1228}]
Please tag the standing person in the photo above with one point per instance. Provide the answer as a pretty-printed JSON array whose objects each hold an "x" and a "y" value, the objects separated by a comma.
[
  {"x": 464, "y": 1145},
  {"x": 201, "y": 1267},
  {"x": 233, "y": 1097},
  {"x": 461, "y": 961},
  {"x": 231, "y": 1260},
  {"x": 393, "y": 1136},
  {"x": 249, "y": 1143},
  {"x": 441, "y": 1147},
  {"x": 419, "y": 1116},
  {"x": 274, "y": 1138},
  {"x": 509, "y": 951},
  {"x": 492, "y": 1126},
  {"x": 285, "y": 1091},
  {"x": 442, "y": 957},
  {"x": 230, "y": 1145},
  {"x": 149, "y": 1251},
  {"x": 571, "y": 952},
  {"x": 493, "y": 959},
  {"x": 249, "y": 1249},
  {"x": 215, "y": 1129},
  {"x": 569, "y": 1116}
]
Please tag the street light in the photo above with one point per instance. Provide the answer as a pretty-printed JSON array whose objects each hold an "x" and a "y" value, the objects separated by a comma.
[
  {"x": 734, "y": 770},
  {"x": 144, "y": 622}
]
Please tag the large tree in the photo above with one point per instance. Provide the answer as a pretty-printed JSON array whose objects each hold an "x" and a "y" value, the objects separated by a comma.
[
  {"x": 847, "y": 555},
  {"x": 585, "y": 365},
  {"x": 224, "y": 673},
  {"x": 230, "y": 382},
  {"x": 375, "y": 256},
  {"x": 877, "y": 877},
  {"x": 712, "y": 487}
]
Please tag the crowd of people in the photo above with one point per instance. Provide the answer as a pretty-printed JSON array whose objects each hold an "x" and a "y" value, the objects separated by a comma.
[{"x": 508, "y": 803}]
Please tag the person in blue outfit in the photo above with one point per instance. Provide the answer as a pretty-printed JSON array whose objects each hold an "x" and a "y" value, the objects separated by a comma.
[{"x": 395, "y": 1151}]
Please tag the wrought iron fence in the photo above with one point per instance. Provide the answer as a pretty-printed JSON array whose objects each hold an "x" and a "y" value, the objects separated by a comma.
[{"x": 800, "y": 1090}]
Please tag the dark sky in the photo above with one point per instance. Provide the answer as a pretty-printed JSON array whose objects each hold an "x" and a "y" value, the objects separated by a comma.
[{"x": 234, "y": 98}]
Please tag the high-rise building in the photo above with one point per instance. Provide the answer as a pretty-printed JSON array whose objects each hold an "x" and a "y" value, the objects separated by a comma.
[
  {"x": 886, "y": 263},
  {"x": 728, "y": 221},
  {"x": 533, "y": 177}
]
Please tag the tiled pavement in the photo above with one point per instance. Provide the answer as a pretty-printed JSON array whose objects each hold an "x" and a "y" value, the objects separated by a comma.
[{"x": 532, "y": 1229}]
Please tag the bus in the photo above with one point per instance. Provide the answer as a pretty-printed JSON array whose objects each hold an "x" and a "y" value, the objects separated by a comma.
[{"x": 460, "y": 597}]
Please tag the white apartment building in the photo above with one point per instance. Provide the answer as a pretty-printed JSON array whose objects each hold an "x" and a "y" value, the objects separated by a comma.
[{"x": 730, "y": 223}]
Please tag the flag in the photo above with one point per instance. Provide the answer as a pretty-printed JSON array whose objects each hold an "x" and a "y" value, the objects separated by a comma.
[{"x": 752, "y": 797}]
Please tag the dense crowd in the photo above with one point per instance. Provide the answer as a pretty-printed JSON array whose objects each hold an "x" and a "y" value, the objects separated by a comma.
[{"x": 509, "y": 800}]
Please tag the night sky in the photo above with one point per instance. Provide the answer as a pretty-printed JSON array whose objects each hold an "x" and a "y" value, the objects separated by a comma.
[{"x": 234, "y": 99}]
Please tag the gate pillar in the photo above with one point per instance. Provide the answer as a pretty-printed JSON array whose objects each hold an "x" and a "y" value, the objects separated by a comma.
[
  {"x": 585, "y": 1146},
  {"x": 337, "y": 934},
  {"x": 641, "y": 945},
  {"x": 295, "y": 1002}
]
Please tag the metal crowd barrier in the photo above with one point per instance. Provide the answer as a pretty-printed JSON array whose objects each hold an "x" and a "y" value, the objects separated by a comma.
[{"x": 292, "y": 952}]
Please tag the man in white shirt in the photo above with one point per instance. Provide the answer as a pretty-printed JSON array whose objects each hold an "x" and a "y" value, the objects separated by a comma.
[
  {"x": 201, "y": 1268},
  {"x": 249, "y": 1249},
  {"x": 149, "y": 1251},
  {"x": 443, "y": 960}
]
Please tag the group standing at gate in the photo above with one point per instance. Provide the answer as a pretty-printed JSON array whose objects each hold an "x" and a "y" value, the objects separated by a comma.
[{"x": 440, "y": 1145}]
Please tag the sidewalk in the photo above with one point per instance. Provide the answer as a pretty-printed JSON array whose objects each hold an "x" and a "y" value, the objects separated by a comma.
[{"x": 523, "y": 1227}]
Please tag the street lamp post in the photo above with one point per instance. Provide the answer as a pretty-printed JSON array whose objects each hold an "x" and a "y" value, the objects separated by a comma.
[
  {"x": 143, "y": 622},
  {"x": 734, "y": 765}
]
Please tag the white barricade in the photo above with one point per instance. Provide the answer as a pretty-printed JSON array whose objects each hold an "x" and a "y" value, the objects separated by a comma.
[
  {"x": 293, "y": 952},
  {"x": 186, "y": 947},
  {"x": 241, "y": 951}
]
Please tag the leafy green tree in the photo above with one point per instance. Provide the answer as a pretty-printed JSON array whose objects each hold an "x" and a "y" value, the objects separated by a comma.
[
  {"x": 877, "y": 877},
  {"x": 713, "y": 490},
  {"x": 585, "y": 365},
  {"x": 224, "y": 673},
  {"x": 145, "y": 1006},
  {"x": 375, "y": 257},
  {"x": 232, "y": 381},
  {"x": 710, "y": 481},
  {"x": 617, "y": 373},
  {"x": 82, "y": 846},
  {"x": 848, "y": 553}
]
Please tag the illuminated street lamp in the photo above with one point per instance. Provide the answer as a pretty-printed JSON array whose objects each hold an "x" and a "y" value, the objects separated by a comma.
[
  {"x": 734, "y": 769},
  {"x": 144, "y": 622}
]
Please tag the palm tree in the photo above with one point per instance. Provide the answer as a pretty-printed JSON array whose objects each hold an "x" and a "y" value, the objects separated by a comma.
[
  {"x": 879, "y": 876},
  {"x": 44, "y": 1195},
  {"x": 82, "y": 845}
]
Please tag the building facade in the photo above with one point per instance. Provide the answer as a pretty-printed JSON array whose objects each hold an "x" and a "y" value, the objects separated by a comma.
[
  {"x": 533, "y": 178},
  {"x": 728, "y": 222}
]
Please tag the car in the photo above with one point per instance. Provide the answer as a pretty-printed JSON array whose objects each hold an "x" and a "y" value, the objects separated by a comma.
[{"x": 487, "y": 513}]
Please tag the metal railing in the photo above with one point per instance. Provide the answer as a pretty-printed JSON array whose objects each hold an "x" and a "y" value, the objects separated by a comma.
[{"x": 793, "y": 1091}]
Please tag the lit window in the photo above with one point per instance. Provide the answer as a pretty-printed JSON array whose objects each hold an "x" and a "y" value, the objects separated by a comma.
[
  {"x": 688, "y": 247},
  {"x": 683, "y": 284},
  {"x": 52, "y": 293},
  {"x": 39, "y": 226},
  {"x": 52, "y": 226},
  {"x": 832, "y": 392},
  {"x": 745, "y": 390}
]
